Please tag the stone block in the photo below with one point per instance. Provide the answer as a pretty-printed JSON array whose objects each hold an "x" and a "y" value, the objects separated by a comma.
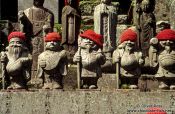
[{"x": 85, "y": 102}]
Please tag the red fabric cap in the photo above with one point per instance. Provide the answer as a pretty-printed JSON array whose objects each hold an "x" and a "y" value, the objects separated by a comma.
[
  {"x": 19, "y": 35},
  {"x": 155, "y": 110},
  {"x": 53, "y": 36},
  {"x": 128, "y": 35},
  {"x": 65, "y": 1},
  {"x": 90, "y": 34},
  {"x": 166, "y": 34}
]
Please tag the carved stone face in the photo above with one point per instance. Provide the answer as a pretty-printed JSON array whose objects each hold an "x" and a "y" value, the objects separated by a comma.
[
  {"x": 53, "y": 45},
  {"x": 38, "y": 3},
  {"x": 106, "y": 1},
  {"x": 15, "y": 42},
  {"x": 15, "y": 48},
  {"x": 129, "y": 46},
  {"x": 87, "y": 43},
  {"x": 167, "y": 45}
]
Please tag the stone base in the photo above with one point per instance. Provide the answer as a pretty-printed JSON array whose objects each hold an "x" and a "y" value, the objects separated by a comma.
[{"x": 85, "y": 102}]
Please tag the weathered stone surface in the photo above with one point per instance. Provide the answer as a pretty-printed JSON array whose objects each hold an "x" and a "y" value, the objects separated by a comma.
[
  {"x": 122, "y": 19},
  {"x": 162, "y": 10},
  {"x": 85, "y": 102},
  {"x": 87, "y": 7},
  {"x": 50, "y": 4}
]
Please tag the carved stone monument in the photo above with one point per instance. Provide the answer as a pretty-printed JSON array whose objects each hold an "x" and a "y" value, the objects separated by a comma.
[
  {"x": 71, "y": 20},
  {"x": 32, "y": 21},
  {"x": 163, "y": 46},
  {"x": 52, "y": 63},
  {"x": 105, "y": 22},
  {"x": 146, "y": 24},
  {"x": 16, "y": 62},
  {"x": 90, "y": 57},
  {"x": 128, "y": 60}
]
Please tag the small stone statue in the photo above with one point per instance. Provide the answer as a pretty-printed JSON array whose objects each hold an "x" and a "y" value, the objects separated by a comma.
[
  {"x": 71, "y": 20},
  {"x": 105, "y": 22},
  {"x": 161, "y": 25},
  {"x": 52, "y": 63},
  {"x": 91, "y": 58},
  {"x": 146, "y": 24},
  {"x": 32, "y": 21},
  {"x": 164, "y": 47},
  {"x": 128, "y": 60},
  {"x": 17, "y": 61}
]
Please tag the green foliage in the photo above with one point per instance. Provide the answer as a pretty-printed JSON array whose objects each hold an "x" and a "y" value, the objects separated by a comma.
[{"x": 58, "y": 27}]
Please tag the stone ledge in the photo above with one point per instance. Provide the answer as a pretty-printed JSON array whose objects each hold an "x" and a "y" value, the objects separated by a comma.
[{"x": 85, "y": 102}]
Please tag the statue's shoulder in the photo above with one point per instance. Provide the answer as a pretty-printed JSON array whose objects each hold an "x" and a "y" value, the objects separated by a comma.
[
  {"x": 48, "y": 11},
  {"x": 67, "y": 8},
  {"x": 26, "y": 11},
  {"x": 43, "y": 55},
  {"x": 63, "y": 53}
]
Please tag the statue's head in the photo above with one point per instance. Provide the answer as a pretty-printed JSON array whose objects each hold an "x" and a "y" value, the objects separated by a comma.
[
  {"x": 166, "y": 39},
  {"x": 38, "y": 3},
  {"x": 128, "y": 39},
  {"x": 161, "y": 25},
  {"x": 106, "y": 1},
  {"x": 53, "y": 41},
  {"x": 148, "y": 5},
  {"x": 90, "y": 40},
  {"x": 16, "y": 44}
]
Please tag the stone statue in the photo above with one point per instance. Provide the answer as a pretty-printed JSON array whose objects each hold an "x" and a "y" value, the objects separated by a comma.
[
  {"x": 105, "y": 22},
  {"x": 128, "y": 60},
  {"x": 163, "y": 48},
  {"x": 32, "y": 21},
  {"x": 161, "y": 25},
  {"x": 52, "y": 63},
  {"x": 146, "y": 24},
  {"x": 91, "y": 58},
  {"x": 71, "y": 20},
  {"x": 17, "y": 61}
]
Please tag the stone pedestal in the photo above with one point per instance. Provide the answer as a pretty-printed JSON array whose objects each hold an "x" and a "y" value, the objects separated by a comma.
[{"x": 85, "y": 102}]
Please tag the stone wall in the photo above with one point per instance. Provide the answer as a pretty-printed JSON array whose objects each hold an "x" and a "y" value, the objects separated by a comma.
[{"x": 85, "y": 102}]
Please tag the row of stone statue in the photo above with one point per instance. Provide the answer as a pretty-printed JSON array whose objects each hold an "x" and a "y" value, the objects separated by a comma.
[
  {"x": 37, "y": 19},
  {"x": 42, "y": 53},
  {"x": 52, "y": 63}
]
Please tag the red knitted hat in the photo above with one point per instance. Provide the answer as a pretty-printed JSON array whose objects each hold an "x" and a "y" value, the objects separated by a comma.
[
  {"x": 155, "y": 110},
  {"x": 19, "y": 35},
  {"x": 90, "y": 34},
  {"x": 53, "y": 36},
  {"x": 128, "y": 34},
  {"x": 166, "y": 34}
]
